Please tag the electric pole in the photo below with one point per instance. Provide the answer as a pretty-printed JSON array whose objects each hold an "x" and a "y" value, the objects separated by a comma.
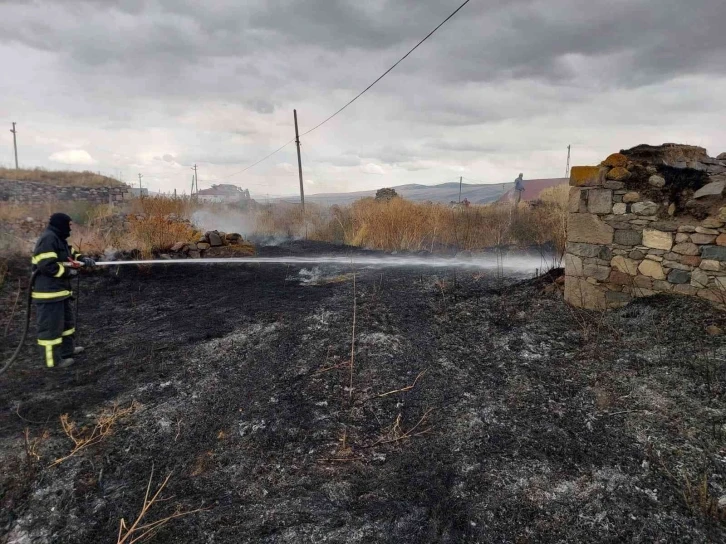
[
  {"x": 140, "y": 176},
  {"x": 195, "y": 180},
  {"x": 460, "y": 180},
  {"x": 567, "y": 168},
  {"x": 15, "y": 144},
  {"x": 299, "y": 164}
]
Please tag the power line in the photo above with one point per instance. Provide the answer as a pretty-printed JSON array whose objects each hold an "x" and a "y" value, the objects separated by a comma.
[
  {"x": 391, "y": 68},
  {"x": 359, "y": 94}
]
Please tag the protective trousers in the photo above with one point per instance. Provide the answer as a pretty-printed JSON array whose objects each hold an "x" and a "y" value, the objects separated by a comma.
[{"x": 56, "y": 327}]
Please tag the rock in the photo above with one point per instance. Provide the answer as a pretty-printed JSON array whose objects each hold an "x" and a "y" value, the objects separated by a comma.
[
  {"x": 714, "y": 253},
  {"x": 573, "y": 265},
  {"x": 656, "y": 181},
  {"x": 627, "y": 266},
  {"x": 656, "y": 258},
  {"x": 627, "y": 237},
  {"x": 722, "y": 214},
  {"x": 686, "y": 248},
  {"x": 617, "y": 300},
  {"x": 721, "y": 284},
  {"x": 576, "y": 202},
  {"x": 194, "y": 254},
  {"x": 583, "y": 294},
  {"x": 721, "y": 240},
  {"x": 672, "y": 209},
  {"x": 600, "y": 273},
  {"x": 619, "y": 208},
  {"x": 703, "y": 230},
  {"x": 214, "y": 239},
  {"x": 686, "y": 228},
  {"x": 662, "y": 286},
  {"x": 685, "y": 289},
  {"x": 713, "y": 188},
  {"x": 620, "y": 278},
  {"x": 651, "y": 269},
  {"x": 702, "y": 239},
  {"x": 679, "y": 276},
  {"x": 665, "y": 226},
  {"x": 178, "y": 246},
  {"x": 232, "y": 236},
  {"x": 712, "y": 223},
  {"x": 615, "y": 160},
  {"x": 599, "y": 200},
  {"x": 699, "y": 278},
  {"x": 587, "y": 228},
  {"x": 618, "y": 174},
  {"x": 657, "y": 239},
  {"x": 710, "y": 265},
  {"x": 682, "y": 237},
  {"x": 711, "y": 295},
  {"x": 636, "y": 255},
  {"x": 588, "y": 250},
  {"x": 630, "y": 197},
  {"x": 714, "y": 330},
  {"x": 722, "y": 157},
  {"x": 587, "y": 176},
  {"x": 610, "y": 184},
  {"x": 201, "y": 246},
  {"x": 645, "y": 208},
  {"x": 643, "y": 282},
  {"x": 691, "y": 260}
]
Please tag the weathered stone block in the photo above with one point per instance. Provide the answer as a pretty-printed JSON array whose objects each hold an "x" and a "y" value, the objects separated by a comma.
[
  {"x": 682, "y": 237},
  {"x": 686, "y": 248},
  {"x": 651, "y": 269},
  {"x": 721, "y": 284},
  {"x": 587, "y": 228},
  {"x": 710, "y": 265},
  {"x": 589, "y": 250},
  {"x": 631, "y": 197},
  {"x": 627, "y": 237},
  {"x": 713, "y": 188},
  {"x": 645, "y": 208},
  {"x": 619, "y": 208},
  {"x": 576, "y": 200},
  {"x": 599, "y": 201},
  {"x": 636, "y": 255},
  {"x": 712, "y": 223},
  {"x": 656, "y": 181},
  {"x": 702, "y": 239},
  {"x": 573, "y": 265},
  {"x": 625, "y": 265},
  {"x": 586, "y": 176},
  {"x": 610, "y": 184},
  {"x": 685, "y": 289},
  {"x": 618, "y": 174},
  {"x": 699, "y": 278},
  {"x": 661, "y": 285},
  {"x": 691, "y": 260},
  {"x": 714, "y": 253},
  {"x": 579, "y": 292},
  {"x": 617, "y": 300},
  {"x": 677, "y": 265},
  {"x": 643, "y": 282},
  {"x": 598, "y": 272},
  {"x": 679, "y": 276},
  {"x": 620, "y": 278},
  {"x": 615, "y": 160},
  {"x": 721, "y": 240},
  {"x": 657, "y": 239},
  {"x": 704, "y": 230},
  {"x": 687, "y": 228}
]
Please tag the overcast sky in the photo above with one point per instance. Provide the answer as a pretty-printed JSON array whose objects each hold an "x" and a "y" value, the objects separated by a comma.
[{"x": 128, "y": 86}]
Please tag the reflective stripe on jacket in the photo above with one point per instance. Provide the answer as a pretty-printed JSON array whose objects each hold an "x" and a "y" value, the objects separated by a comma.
[{"x": 53, "y": 281}]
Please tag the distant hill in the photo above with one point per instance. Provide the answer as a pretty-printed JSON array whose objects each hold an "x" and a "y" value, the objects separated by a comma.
[
  {"x": 63, "y": 178},
  {"x": 443, "y": 193}
]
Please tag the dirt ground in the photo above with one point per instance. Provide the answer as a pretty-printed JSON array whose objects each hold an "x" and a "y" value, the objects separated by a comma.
[{"x": 476, "y": 410}]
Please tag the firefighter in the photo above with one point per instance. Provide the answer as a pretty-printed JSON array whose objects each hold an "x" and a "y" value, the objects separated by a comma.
[{"x": 56, "y": 263}]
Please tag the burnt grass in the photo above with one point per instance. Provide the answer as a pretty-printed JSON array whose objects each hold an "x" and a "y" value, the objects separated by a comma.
[{"x": 529, "y": 421}]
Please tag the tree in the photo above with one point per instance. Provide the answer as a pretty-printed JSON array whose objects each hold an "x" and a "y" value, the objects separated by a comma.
[{"x": 386, "y": 194}]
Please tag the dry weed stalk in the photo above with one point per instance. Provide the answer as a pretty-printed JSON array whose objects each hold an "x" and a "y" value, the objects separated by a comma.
[
  {"x": 84, "y": 437},
  {"x": 396, "y": 433},
  {"x": 404, "y": 389},
  {"x": 31, "y": 446},
  {"x": 138, "y": 531}
]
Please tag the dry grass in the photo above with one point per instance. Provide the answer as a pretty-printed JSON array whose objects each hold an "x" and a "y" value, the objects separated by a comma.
[
  {"x": 156, "y": 233},
  {"x": 63, "y": 178},
  {"x": 183, "y": 207},
  {"x": 88, "y": 436}
]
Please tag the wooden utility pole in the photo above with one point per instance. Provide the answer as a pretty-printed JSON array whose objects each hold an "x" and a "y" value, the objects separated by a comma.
[
  {"x": 140, "y": 176},
  {"x": 460, "y": 180},
  {"x": 15, "y": 144},
  {"x": 299, "y": 164},
  {"x": 567, "y": 168}
]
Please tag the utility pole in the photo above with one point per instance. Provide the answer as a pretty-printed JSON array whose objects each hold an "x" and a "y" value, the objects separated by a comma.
[
  {"x": 460, "y": 179},
  {"x": 299, "y": 164},
  {"x": 195, "y": 180},
  {"x": 15, "y": 144},
  {"x": 140, "y": 176},
  {"x": 567, "y": 169}
]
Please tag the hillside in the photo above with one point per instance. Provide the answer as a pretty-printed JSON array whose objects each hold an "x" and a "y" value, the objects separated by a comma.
[
  {"x": 64, "y": 178},
  {"x": 444, "y": 193}
]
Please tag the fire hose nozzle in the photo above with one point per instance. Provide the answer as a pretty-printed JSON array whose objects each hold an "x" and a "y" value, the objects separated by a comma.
[{"x": 73, "y": 264}]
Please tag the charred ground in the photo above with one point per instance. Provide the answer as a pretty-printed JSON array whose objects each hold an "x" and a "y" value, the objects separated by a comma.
[{"x": 528, "y": 422}]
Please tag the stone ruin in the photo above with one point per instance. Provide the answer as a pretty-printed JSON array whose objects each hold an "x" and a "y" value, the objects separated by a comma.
[
  {"x": 647, "y": 220},
  {"x": 210, "y": 239}
]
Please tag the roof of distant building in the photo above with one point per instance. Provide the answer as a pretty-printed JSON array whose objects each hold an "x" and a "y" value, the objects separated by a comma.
[{"x": 223, "y": 189}]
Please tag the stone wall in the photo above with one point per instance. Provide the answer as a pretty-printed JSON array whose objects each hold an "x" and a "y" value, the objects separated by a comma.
[
  {"x": 31, "y": 192},
  {"x": 647, "y": 220}
]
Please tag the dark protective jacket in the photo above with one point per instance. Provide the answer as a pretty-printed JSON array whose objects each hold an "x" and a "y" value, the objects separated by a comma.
[{"x": 52, "y": 283}]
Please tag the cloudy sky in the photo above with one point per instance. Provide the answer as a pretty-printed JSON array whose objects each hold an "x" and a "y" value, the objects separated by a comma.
[{"x": 128, "y": 86}]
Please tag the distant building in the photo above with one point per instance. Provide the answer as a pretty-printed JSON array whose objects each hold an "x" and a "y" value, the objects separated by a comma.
[
  {"x": 223, "y": 193},
  {"x": 530, "y": 189},
  {"x": 137, "y": 192}
]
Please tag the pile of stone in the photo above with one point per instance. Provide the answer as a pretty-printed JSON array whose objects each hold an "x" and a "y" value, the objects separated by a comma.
[
  {"x": 212, "y": 238},
  {"x": 647, "y": 220}
]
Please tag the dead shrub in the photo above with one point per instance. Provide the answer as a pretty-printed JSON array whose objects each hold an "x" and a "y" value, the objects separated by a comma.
[{"x": 157, "y": 233}]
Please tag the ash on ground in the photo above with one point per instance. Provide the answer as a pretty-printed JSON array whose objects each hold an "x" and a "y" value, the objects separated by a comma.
[{"x": 477, "y": 410}]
